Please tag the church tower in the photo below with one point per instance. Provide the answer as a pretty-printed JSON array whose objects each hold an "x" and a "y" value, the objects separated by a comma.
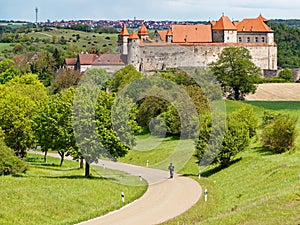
[{"x": 123, "y": 40}]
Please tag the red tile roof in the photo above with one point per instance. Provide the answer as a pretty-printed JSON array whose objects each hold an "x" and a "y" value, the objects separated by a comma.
[
  {"x": 110, "y": 59},
  {"x": 262, "y": 18},
  {"x": 70, "y": 61},
  {"x": 124, "y": 31},
  {"x": 162, "y": 34},
  {"x": 143, "y": 30},
  {"x": 224, "y": 23},
  {"x": 191, "y": 33},
  {"x": 253, "y": 25},
  {"x": 169, "y": 32},
  {"x": 133, "y": 35},
  {"x": 87, "y": 59}
]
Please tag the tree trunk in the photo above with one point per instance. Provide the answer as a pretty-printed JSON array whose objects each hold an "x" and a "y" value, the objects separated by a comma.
[
  {"x": 45, "y": 156},
  {"x": 87, "y": 169},
  {"x": 62, "y": 157},
  {"x": 81, "y": 162}
]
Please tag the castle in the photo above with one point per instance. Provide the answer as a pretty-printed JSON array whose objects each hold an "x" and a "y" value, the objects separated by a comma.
[{"x": 188, "y": 46}]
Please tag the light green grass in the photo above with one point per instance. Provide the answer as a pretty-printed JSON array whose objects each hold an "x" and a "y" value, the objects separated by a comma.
[
  {"x": 259, "y": 188},
  {"x": 49, "y": 194}
]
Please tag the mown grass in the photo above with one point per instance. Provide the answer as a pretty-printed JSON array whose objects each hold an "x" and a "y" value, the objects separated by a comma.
[
  {"x": 49, "y": 194},
  {"x": 259, "y": 188}
]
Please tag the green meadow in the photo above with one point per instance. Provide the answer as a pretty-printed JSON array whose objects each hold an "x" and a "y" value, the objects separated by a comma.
[
  {"x": 49, "y": 194},
  {"x": 258, "y": 188}
]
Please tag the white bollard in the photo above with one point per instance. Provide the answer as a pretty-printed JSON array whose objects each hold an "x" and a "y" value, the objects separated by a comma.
[
  {"x": 199, "y": 174},
  {"x": 205, "y": 194},
  {"x": 147, "y": 163}
]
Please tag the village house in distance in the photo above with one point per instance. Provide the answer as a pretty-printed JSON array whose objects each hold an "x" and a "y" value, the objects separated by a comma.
[{"x": 184, "y": 46}]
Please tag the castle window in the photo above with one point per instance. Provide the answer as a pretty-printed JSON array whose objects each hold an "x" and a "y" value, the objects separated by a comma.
[
  {"x": 256, "y": 39},
  {"x": 248, "y": 39},
  {"x": 240, "y": 39},
  {"x": 263, "y": 39}
]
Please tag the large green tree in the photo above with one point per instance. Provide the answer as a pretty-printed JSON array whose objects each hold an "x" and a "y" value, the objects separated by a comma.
[
  {"x": 98, "y": 132},
  {"x": 236, "y": 73},
  {"x": 53, "y": 124},
  {"x": 18, "y": 103}
]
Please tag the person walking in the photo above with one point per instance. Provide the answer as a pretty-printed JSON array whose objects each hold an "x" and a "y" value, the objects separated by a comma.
[{"x": 171, "y": 169}]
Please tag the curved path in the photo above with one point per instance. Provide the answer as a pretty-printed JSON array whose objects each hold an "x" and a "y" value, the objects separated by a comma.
[{"x": 164, "y": 199}]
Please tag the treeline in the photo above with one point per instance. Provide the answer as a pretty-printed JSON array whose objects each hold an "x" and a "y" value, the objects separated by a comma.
[{"x": 288, "y": 43}]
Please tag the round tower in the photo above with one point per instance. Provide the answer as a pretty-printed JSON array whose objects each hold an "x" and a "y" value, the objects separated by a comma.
[
  {"x": 134, "y": 50},
  {"x": 123, "y": 40}
]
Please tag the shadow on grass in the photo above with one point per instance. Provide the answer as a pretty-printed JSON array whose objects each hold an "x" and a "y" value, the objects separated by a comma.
[
  {"x": 53, "y": 167},
  {"x": 263, "y": 151},
  {"x": 214, "y": 170}
]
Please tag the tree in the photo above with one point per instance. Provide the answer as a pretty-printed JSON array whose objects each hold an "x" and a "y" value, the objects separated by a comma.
[
  {"x": 8, "y": 71},
  {"x": 92, "y": 120},
  {"x": 17, "y": 107},
  {"x": 215, "y": 147},
  {"x": 286, "y": 74},
  {"x": 53, "y": 125},
  {"x": 65, "y": 79},
  {"x": 236, "y": 72},
  {"x": 279, "y": 132},
  {"x": 125, "y": 76}
]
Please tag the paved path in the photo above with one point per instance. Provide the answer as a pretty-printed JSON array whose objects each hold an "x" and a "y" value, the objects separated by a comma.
[{"x": 164, "y": 199}]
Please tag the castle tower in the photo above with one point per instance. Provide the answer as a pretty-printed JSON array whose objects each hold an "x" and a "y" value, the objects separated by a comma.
[
  {"x": 169, "y": 36},
  {"x": 123, "y": 40},
  {"x": 224, "y": 31},
  {"x": 143, "y": 32},
  {"x": 134, "y": 50}
]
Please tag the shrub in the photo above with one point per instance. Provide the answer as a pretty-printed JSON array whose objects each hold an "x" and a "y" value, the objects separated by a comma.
[
  {"x": 9, "y": 163},
  {"x": 279, "y": 132},
  {"x": 286, "y": 74}
]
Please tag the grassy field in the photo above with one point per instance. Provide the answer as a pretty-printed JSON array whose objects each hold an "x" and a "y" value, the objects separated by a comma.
[
  {"x": 83, "y": 41},
  {"x": 259, "y": 188},
  {"x": 49, "y": 194}
]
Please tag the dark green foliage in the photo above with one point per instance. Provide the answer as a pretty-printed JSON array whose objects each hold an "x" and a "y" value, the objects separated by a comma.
[
  {"x": 286, "y": 74},
  {"x": 8, "y": 71},
  {"x": 218, "y": 144},
  {"x": 288, "y": 40},
  {"x": 279, "y": 131},
  {"x": 236, "y": 72},
  {"x": 9, "y": 163}
]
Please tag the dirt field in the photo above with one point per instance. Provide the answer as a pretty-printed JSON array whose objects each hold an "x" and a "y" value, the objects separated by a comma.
[{"x": 276, "y": 92}]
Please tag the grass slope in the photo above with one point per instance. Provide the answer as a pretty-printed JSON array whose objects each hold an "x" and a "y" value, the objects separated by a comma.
[
  {"x": 259, "y": 188},
  {"x": 49, "y": 194}
]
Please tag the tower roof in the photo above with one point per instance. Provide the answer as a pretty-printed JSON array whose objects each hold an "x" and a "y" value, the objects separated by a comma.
[
  {"x": 143, "y": 30},
  {"x": 169, "y": 32},
  {"x": 262, "y": 18},
  {"x": 133, "y": 35},
  {"x": 124, "y": 31},
  {"x": 224, "y": 23}
]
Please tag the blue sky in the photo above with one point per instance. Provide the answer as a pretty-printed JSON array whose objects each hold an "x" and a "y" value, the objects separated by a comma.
[{"x": 147, "y": 9}]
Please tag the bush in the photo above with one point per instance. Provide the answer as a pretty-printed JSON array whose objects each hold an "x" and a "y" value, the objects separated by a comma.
[
  {"x": 279, "y": 132},
  {"x": 286, "y": 74},
  {"x": 9, "y": 163}
]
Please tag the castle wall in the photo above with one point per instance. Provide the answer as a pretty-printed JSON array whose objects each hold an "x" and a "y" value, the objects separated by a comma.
[
  {"x": 247, "y": 37},
  {"x": 156, "y": 57}
]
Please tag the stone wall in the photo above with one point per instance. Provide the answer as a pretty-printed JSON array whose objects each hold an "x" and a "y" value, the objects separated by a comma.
[{"x": 156, "y": 57}]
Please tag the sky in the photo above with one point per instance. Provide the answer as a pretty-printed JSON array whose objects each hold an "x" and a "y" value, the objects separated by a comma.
[{"x": 179, "y": 10}]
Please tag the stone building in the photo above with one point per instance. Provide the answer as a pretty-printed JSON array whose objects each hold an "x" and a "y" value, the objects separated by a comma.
[
  {"x": 198, "y": 45},
  {"x": 184, "y": 46}
]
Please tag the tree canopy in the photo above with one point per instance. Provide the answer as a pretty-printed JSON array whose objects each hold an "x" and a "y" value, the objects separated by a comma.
[{"x": 236, "y": 72}]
